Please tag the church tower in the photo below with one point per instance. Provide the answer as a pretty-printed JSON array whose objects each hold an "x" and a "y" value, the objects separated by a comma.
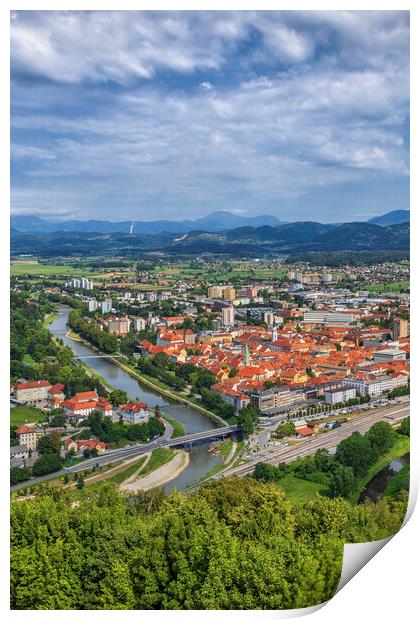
[{"x": 247, "y": 357}]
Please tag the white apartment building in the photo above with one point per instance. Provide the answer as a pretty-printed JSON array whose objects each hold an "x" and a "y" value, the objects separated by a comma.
[
  {"x": 92, "y": 305},
  {"x": 340, "y": 395},
  {"x": 106, "y": 306},
  {"x": 370, "y": 387},
  {"x": 139, "y": 324},
  {"x": 28, "y": 437},
  {"x": 228, "y": 316}
]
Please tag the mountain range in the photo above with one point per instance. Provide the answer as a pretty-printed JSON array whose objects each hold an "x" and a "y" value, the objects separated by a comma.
[
  {"x": 220, "y": 220},
  {"x": 214, "y": 222},
  {"x": 286, "y": 238}
]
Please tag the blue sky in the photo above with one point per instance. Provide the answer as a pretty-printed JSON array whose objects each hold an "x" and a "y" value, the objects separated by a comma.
[{"x": 173, "y": 115}]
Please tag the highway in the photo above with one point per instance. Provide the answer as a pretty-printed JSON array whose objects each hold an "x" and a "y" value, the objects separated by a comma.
[{"x": 327, "y": 440}]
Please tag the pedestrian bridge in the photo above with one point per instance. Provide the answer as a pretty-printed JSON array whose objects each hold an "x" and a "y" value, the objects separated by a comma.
[{"x": 89, "y": 357}]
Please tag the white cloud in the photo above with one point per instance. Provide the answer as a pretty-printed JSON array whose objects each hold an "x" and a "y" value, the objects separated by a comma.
[{"x": 329, "y": 107}]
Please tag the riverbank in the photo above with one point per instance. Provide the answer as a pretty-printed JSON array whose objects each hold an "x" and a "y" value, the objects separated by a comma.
[
  {"x": 159, "y": 476},
  {"x": 166, "y": 392},
  {"x": 401, "y": 447},
  {"x": 169, "y": 394},
  {"x": 49, "y": 318}
]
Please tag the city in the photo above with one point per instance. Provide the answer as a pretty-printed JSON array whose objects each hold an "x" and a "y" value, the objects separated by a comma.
[{"x": 210, "y": 315}]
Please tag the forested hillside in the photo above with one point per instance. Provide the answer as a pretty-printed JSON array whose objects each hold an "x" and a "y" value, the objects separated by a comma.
[{"x": 236, "y": 544}]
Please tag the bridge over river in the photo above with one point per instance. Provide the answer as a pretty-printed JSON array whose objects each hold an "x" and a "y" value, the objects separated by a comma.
[{"x": 117, "y": 454}]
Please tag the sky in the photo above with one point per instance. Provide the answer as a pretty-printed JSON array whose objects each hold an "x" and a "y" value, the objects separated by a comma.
[{"x": 174, "y": 115}]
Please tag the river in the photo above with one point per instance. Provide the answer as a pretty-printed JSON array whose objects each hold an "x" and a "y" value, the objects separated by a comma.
[
  {"x": 201, "y": 460},
  {"x": 376, "y": 487}
]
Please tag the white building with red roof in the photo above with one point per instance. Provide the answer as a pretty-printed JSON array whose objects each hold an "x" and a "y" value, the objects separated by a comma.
[
  {"x": 32, "y": 392},
  {"x": 81, "y": 404},
  {"x": 104, "y": 406},
  {"x": 28, "y": 436},
  {"x": 56, "y": 395},
  {"x": 134, "y": 413}
]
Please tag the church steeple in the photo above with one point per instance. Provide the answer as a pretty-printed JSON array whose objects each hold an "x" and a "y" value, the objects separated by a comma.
[{"x": 247, "y": 357}]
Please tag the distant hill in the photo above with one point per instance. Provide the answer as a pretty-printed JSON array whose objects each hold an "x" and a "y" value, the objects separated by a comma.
[
  {"x": 400, "y": 216},
  {"x": 221, "y": 220},
  {"x": 293, "y": 238}
]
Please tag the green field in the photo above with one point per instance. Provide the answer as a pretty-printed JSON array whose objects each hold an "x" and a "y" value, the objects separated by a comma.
[
  {"x": 33, "y": 268},
  {"x": 390, "y": 287},
  {"x": 25, "y": 415},
  {"x": 160, "y": 456},
  {"x": 299, "y": 491},
  {"x": 126, "y": 473}
]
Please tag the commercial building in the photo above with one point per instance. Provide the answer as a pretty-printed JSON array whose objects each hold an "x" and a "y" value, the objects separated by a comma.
[
  {"x": 331, "y": 318},
  {"x": 340, "y": 395},
  {"x": 389, "y": 355},
  {"x": 372, "y": 387},
  {"x": 271, "y": 400}
]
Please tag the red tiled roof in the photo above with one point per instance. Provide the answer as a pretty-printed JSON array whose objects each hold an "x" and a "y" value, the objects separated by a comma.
[
  {"x": 57, "y": 388},
  {"x": 23, "y": 430},
  {"x": 32, "y": 384},
  {"x": 136, "y": 407},
  {"x": 71, "y": 403},
  {"x": 305, "y": 432},
  {"x": 91, "y": 444},
  {"x": 86, "y": 396}
]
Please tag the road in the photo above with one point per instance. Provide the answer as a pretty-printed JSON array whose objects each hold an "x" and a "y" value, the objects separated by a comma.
[
  {"x": 284, "y": 455},
  {"x": 118, "y": 454},
  {"x": 326, "y": 440}
]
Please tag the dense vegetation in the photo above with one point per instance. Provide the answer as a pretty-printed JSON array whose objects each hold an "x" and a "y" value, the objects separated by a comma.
[
  {"x": 49, "y": 460},
  {"x": 236, "y": 544},
  {"x": 350, "y": 258},
  {"x": 92, "y": 333},
  {"x": 116, "y": 434},
  {"x": 340, "y": 471},
  {"x": 36, "y": 355}
]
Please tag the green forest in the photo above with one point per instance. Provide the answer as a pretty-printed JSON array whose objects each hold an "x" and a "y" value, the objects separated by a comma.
[{"x": 235, "y": 544}]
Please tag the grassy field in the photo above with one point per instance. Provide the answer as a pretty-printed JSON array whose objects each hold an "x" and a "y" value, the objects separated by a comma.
[
  {"x": 160, "y": 456},
  {"x": 401, "y": 447},
  {"x": 23, "y": 415},
  {"x": 390, "y": 287},
  {"x": 22, "y": 268},
  {"x": 400, "y": 482},
  {"x": 299, "y": 491},
  {"x": 126, "y": 473}
]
